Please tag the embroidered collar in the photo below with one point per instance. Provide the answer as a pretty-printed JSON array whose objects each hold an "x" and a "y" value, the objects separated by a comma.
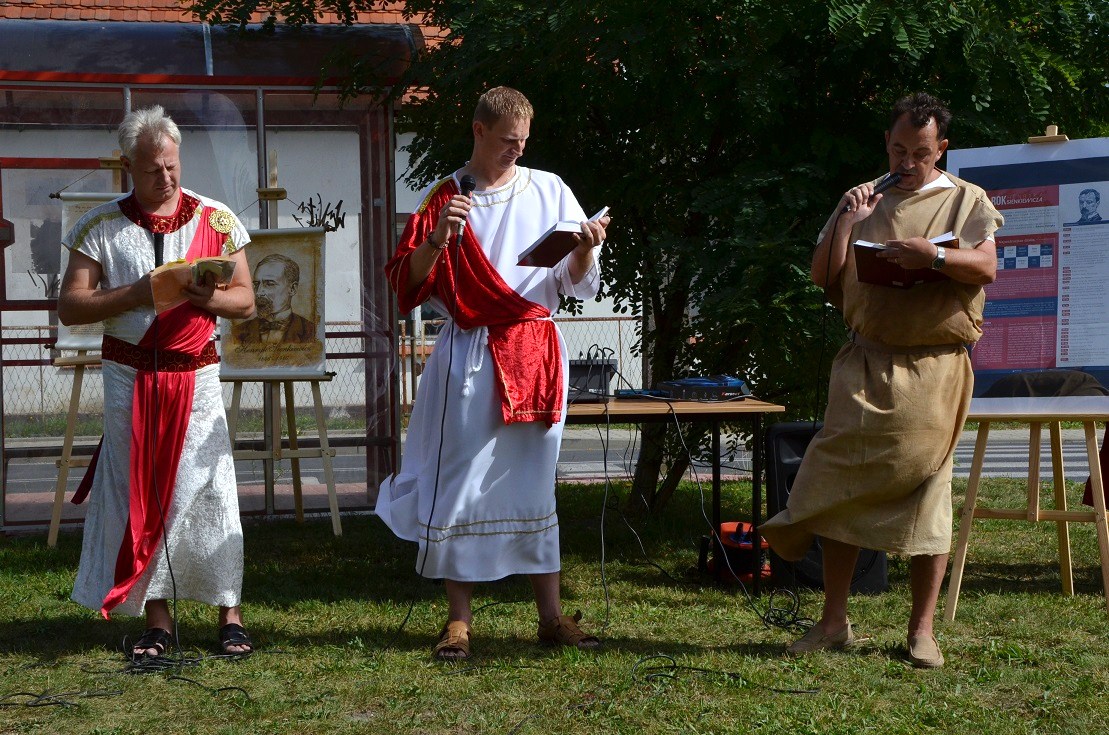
[{"x": 157, "y": 223}]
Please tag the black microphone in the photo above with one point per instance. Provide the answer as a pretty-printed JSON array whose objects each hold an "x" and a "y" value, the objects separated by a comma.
[
  {"x": 159, "y": 244},
  {"x": 890, "y": 181},
  {"x": 468, "y": 184}
]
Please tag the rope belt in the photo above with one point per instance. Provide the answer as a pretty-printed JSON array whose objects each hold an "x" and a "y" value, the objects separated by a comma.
[
  {"x": 872, "y": 344},
  {"x": 168, "y": 361}
]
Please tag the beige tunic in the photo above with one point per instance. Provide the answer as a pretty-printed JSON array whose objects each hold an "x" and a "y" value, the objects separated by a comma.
[{"x": 878, "y": 475}]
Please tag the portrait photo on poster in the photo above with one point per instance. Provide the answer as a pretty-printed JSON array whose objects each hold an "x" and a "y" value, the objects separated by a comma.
[
  {"x": 1088, "y": 204},
  {"x": 286, "y": 333}
]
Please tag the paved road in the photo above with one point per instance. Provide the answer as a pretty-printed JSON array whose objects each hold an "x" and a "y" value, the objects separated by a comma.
[
  {"x": 1006, "y": 455},
  {"x": 583, "y": 458}
]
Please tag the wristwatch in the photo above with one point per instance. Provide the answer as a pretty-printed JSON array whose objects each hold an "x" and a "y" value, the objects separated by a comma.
[{"x": 941, "y": 258}]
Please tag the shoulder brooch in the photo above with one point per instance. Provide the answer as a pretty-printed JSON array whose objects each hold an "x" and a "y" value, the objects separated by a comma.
[{"x": 221, "y": 221}]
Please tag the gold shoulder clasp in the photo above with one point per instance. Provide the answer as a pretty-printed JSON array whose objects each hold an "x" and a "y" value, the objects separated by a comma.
[{"x": 221, "y": 221}]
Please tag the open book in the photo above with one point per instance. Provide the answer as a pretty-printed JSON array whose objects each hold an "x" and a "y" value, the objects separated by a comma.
[
  {"x": 168, "y": 281},
  {"x": 869, "y": 268},
  {"x": 556, "y": 243}
]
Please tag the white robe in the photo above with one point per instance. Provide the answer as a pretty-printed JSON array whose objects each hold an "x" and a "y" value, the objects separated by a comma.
[
  {"x": 203, "y": 531},
  {"x": 489, "y": 505}
]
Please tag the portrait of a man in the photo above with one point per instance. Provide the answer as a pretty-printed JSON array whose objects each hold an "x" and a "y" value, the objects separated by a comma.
[
  {"x": 1088, "y": 202},
  {"x": 276, "y": 280}
]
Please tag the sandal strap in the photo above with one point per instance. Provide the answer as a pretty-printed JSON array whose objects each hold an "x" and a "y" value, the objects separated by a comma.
[
  {"x": 454, "y": 636},
  {"x": 234, "y": 634},
  {"x": 157, "y": 638},
  {"x": 564, "y": 630}
]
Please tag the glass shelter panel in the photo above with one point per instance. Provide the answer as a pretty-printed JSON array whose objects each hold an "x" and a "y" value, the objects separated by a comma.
[{"x": 219, "y": 144}]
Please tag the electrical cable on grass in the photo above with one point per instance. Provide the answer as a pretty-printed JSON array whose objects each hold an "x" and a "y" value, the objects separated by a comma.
[
  {"x": 54, "y": 699},
  {"x": 668, "y": 671}
]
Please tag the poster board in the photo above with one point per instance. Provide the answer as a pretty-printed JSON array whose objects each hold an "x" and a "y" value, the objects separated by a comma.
[
  {"x": 74, "y": 206},
  {"x": 1049, "y": 306},
  {"x": 285, "y": 337}
]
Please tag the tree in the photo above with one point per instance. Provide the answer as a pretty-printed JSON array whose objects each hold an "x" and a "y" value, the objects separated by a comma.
[{"x": 721, "y": 132}]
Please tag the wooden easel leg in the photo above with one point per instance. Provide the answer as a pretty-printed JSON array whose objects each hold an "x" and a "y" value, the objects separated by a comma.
[
  {"x": 272, "y": 411},
  {"x": 1061, "y": 527},
  {"x": 67, "y": 455},
  {"x": 966, "y": 519},
  {"x": 1101, "y": 522},
  {"x": 1035, "y": 432},
  {"x": 326, "y": 453},
  {"x": 294, "y": 461},
  {"x": 233, "y": 416}
]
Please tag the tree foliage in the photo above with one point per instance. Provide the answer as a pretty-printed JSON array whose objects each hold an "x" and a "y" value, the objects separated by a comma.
[{"x": 722, "y": 132}]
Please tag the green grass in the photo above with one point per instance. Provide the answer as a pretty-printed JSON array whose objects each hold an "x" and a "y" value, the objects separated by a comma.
[{"x": 325, "y": 612}]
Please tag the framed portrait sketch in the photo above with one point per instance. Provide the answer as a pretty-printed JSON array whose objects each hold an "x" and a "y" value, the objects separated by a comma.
[
  {"x": 74, "y": 206},
  {"x": 286, "y": 334}
]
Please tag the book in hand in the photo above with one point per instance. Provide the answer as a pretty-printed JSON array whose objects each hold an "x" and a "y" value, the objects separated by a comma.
[
  {"x": 869, "y": 268},
  {"x": 168, "y": 281},
  {"x": 556, "y": 243}
]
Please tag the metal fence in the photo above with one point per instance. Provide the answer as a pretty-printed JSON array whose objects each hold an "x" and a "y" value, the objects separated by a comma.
[
  {"x": 614, "y": 337},
  {"x": 37, "y": 394}
]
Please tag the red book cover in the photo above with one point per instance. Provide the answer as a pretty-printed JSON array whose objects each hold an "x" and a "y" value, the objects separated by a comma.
[{"x": 869, "y": 268}]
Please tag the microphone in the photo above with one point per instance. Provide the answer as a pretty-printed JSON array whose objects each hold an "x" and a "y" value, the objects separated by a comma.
[
  {"x": 159, "y": 244},
  {"x": 468, "y": 184},
  {"x": 890, "y": 181}
]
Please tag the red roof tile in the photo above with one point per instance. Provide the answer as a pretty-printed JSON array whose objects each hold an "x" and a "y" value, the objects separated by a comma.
[
  {"x": 160, "y": 10},
  {"x": 175, "y": 11}
]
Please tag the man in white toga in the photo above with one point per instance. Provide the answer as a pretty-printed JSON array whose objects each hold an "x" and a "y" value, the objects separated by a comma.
[{"x": 476, "y": 483}]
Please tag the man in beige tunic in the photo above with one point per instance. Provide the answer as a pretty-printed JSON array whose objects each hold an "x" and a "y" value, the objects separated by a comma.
[{"x": 878, "y": 475}]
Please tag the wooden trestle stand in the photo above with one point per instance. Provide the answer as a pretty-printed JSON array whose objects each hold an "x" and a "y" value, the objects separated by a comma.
[
  {"x": 78, "y": 362},
  {"x": 273, "y": 451}
]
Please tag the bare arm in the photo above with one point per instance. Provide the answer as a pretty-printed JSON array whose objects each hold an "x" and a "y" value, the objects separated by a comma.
[
  {"x": 82, "y": 301},
  {"x": 427, "y": 253},
  {"x": 830, "y": 254},
  {"x": 581, "y": 258},
  {"x": 234, "y": 302},
  {"x": 977, "y": 265}
]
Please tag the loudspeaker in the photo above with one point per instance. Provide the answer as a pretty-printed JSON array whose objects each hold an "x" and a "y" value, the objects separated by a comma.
[
  {"x": 589, "y": 380},
  {"x": 786, "y": 443}
]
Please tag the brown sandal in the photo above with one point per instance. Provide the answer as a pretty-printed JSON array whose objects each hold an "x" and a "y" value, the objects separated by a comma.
[
  {"x": 454, "y": 642},
  {"x": 564, "y": 631}
]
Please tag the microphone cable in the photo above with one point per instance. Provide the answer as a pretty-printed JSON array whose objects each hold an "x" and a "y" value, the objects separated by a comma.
[
  {"x": 143, "y": 663},
  {"x": 453, "y": 311}
]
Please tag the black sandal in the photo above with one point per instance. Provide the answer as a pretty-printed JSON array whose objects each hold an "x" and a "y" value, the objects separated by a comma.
[
  {"x": 157, "y": 638},
  {"x": 234, "y": 634}
]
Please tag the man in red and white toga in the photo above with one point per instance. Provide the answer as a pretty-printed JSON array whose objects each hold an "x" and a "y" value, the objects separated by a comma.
[
  {"x": 476, "y": 484},
  {"x": 163, "y": 477}
]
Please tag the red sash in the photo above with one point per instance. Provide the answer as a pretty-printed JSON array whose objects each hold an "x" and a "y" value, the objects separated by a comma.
[
  {"x": 523, "y": 341},
  {"x": 161, "y": 405}
]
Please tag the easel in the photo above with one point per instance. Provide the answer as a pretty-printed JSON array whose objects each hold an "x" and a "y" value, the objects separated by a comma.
[
  {"x": 78, "y": 362},
  {"x": 1036, "y": 412},
  {"x": 273, "y": 451},
  {"x": 273, "y": 383}
]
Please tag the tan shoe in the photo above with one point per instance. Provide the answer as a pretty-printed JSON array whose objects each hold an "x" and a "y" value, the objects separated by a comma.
[
  {"x": 815, "y": 640},
  {"x": 924, "y": 652},
  {"x": 454, "y": 642},
  {"x": 564, "y": 631}
]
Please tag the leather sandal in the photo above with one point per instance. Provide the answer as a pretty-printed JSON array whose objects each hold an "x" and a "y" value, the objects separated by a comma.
[
  {"x": 235, "y": 635},
  {"x": 158, "y": 639},
  {"x": 454, "y": 642},
  {"x": 564, "y": 631}
]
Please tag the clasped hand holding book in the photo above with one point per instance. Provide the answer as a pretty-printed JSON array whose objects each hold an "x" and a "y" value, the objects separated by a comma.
[
  {"x": 869, "y": 268},
  {"x": 556, "y": 243},
  {"x": 168, "y": 282}
]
